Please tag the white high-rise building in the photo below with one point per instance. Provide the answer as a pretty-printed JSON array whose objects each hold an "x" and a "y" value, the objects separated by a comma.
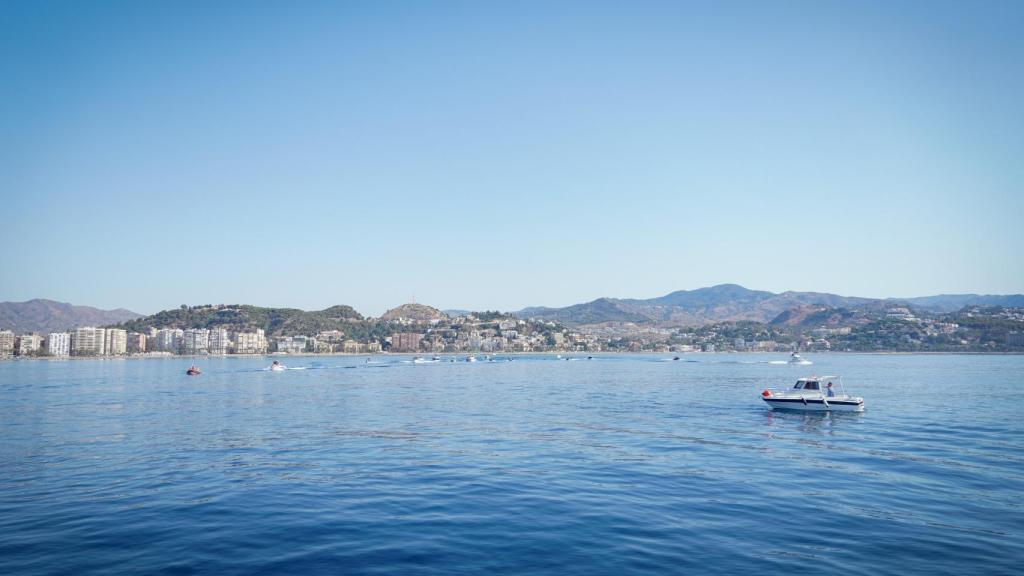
[
  {"x": 6, "y": 343},
  {"x": 136, "y": 343},
  {"x": 245, "y": 343},
  {"x": 116, "y": 341},
  {"x": 28, "y": 344},
  {"x": 168, "y": 340},
  {"x": 251, "y": 342},
  {"x": 219, "y": 342},
  {"x": 88, "y": 341},
  {"x": 195, "y": 341},
  {"x": 58, "y": 344}
]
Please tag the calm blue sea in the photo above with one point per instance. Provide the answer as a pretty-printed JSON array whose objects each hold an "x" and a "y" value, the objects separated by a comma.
[{"x": 616, "y": 465}]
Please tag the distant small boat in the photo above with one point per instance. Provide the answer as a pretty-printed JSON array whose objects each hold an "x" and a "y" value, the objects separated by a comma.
[
  {"x": 795, "y": 358},
  {"x": 277, "y": 367},
  {"x": 193, "y": 371},
  {"x": 470, "y": 358}
]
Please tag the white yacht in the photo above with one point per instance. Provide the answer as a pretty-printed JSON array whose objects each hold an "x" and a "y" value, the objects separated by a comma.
[{"x": 814, "y": 393}]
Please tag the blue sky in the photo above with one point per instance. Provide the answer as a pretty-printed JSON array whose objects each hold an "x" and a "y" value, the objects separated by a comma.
[{"x": 486, "y": 155}]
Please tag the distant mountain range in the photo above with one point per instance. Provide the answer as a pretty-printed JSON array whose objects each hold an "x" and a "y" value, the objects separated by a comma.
[
  {"x": 731, "y": 302},
  {"x": 44, "y": 316},
  {"x": 953, "y": 302},
  {"x": 725, "y": 302}
]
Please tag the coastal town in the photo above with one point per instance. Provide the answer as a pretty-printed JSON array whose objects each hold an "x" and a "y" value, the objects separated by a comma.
[{"x": 415, "y": 328}]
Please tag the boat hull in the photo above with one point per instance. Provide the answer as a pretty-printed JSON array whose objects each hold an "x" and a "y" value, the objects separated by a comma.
[{"x": 815, "y": 404}]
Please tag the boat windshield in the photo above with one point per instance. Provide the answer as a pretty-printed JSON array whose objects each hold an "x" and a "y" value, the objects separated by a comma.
[{"x": 811, "y": 386}]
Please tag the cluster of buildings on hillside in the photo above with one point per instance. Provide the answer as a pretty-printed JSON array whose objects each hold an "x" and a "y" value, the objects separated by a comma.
[
  {"x": 467, "y": 334},
  {"x": 930, "y": 326},
  {"x": 1014, "y": 314},
  {"x": 975, "y": 329}
]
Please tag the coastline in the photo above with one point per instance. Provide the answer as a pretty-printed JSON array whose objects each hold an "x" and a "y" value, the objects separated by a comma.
[{"x": 458, "y": 354}]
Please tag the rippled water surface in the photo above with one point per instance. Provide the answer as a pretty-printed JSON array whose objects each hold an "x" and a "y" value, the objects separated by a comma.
[{"x": 616, "y": 465}]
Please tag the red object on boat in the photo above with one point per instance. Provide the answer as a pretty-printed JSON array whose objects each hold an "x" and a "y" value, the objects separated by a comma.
[{"x": 766, "y": 393}]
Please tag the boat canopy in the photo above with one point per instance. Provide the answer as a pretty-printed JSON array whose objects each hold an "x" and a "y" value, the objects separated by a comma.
[
  {"x": 817, "y": 383},
  {"x": 817, "y": 378}
]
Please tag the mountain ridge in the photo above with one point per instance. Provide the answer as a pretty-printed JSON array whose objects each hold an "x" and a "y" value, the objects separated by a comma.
[
  {"x": 732, "y": 302},
  {"x": 681, "y": 308},
  {"x": 41, "y": 315}
]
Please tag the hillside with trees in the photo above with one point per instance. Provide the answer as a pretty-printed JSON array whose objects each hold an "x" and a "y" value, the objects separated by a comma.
[{"x": 241, "y": 317}]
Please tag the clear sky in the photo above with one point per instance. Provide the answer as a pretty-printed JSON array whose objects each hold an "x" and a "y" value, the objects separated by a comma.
[{"x": 485, "y": 155}]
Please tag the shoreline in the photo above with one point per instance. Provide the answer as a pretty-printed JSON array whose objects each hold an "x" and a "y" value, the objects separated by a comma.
[{"x": 457, "y": 354}]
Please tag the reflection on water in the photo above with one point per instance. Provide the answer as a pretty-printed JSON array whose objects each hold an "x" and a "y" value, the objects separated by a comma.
[
  {"x": 615, "y": 465},
  {"x": 810, "y": 422}
]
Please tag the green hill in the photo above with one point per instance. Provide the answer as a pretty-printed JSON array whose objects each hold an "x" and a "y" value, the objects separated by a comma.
[{"x": 275, "y": 321}]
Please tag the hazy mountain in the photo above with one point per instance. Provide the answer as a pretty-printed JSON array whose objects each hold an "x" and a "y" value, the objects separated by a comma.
[
  {"x": 44, "y": 316},
  {"x": 596, "y": 312},
  {"x": 730, "y": 302},
  {"x": 712, "y": 296},
  {"x": 725, "y": 302},
  {"x": 954, "y": 302}
]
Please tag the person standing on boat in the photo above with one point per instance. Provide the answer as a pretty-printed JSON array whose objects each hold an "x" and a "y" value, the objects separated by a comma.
[{"x": 831, "y": 392}]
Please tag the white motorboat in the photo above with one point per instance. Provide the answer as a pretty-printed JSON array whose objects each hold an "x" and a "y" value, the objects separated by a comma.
[
  {"x": 422, "y": 360},
  {"x": 277, "y": 367},
  {"x": 795, "y": 358},
  {"x": 814, "y": 393},
  {"x": 470, "y": 358}
]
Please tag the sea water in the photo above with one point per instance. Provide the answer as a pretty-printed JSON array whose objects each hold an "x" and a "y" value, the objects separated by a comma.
[{"x": 539, "y": 465}]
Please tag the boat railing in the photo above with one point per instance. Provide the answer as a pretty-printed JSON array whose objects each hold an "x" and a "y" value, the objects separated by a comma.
[{"x": 806, "y": 393}]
